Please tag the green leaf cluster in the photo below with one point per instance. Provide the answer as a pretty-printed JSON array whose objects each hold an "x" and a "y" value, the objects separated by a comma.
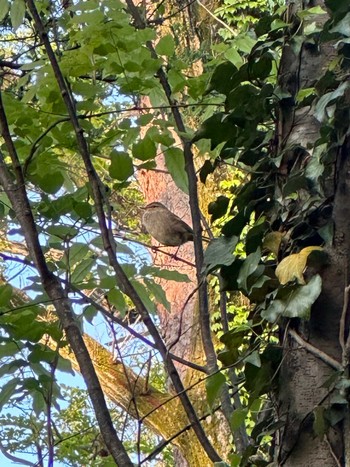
[{"x": 273, "y": 226}]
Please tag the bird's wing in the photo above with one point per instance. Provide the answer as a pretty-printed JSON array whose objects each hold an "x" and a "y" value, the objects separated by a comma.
[{"x": 183, "y": 225}]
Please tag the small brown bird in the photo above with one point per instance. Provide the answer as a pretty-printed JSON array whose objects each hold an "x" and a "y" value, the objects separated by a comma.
[{"x": 164, "y": 226}]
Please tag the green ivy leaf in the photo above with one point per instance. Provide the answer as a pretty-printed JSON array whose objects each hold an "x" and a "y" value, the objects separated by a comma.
[
  {"x": 77, "y": 252},
  {"x": 31, "y": 384},
  {"x": 321, "y": 112},
  {"x": 218, "y": 208},
  {"x": 249, "y": 266},
  {"x": 63, "y": 232},
  {"x": 144, "y": 120},
  {"x": 229, "y": 275},
  {"x": 83, "y": 210},
  {"x": 254, "y": 359},
  {"x": 51, "y": 184},
  {"x": 207, "y": 169},
  {"x": 30, "y": 329},
  {"x": 89, "y": 313},
  {"x": 213, "y": 386},
  {"x": 41, "y": 354},
  {"x": 219, "y": 253},
  {"x": 216, "y": 128},
  {"x": 343, "y": 26},
  {"x": 9, "y": 368},
  {"x": 261, "y": 69},
  {"x": 255, "y": 236},
  {"x": 245, "y": 42},
  {"x": 8, "y": 349},
  {"x": 316, "y": 10},
  {"x": 39, "y": 405},
  {"x": 222, "y": 77},
  {"x": 82, "y": 270},
  {"x": 278, "y": 24},
  {"x": 304, "y": 93},
  {"x": 337, "y": 413},
  {"x": 63, "y": 364},
  {"x": 235, "y": 225},
  {"x": 144, "y": 295},
  {"x": 337, "y": 6},
  {"x": 238, "y": 417},
  {"x": 294, "y": 184},
  {"x": 176, "y": 80},
  {"x": 172, "y": 275},
  {"x": 296, "y": 303}
]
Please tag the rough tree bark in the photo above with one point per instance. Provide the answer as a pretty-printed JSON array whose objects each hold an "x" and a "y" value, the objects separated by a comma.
[{"x": 303, "y": 375}]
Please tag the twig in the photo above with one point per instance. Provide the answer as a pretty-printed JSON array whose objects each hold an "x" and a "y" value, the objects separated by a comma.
[
  {"x": 344, "y": 344},
  {"x": 331, "y": 450},
  {"x": 136, "y": 334},
  {"x": 172, "y": 15},
  {"x": 48, "y": 401},
  {"x": 133, "y": 401},
  {"x": 37, "y": 141},
  {"x": 302, "y": 423},
  {"x": 165, "y": 443},
  {"x": 154, "y": 248},
  {"x": 16, "y": 460},
  {"x": 315, "y": 351},
  {"x": 216, "y": 18},
  {"x": 240, "y": 436},
  {"x": 7, "y": 64}
]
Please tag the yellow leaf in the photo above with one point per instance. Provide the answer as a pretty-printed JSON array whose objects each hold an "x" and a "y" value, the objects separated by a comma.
[{"x": 292, "y": 267}]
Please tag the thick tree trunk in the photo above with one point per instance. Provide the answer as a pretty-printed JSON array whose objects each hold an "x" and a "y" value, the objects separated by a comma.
[{"x": 303, "y": 389}]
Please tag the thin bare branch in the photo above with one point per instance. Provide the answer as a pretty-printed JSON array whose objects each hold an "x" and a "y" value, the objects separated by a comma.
[
  {"x": 14, "y": 459},
  {"x": 314, "y": 351},
  {"x": 108, "y": 240},
  {"x": 14, "y": 187},
  {"x": 343, "y": 340},
  {"x": 165, "y": 443}
]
